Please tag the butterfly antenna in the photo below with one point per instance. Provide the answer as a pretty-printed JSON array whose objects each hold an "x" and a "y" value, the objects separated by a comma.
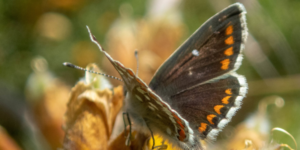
[
  {"x": 94, "y": 40},
  {"x": 137, "y": 62},
  {"x": 91, "y": 71}
]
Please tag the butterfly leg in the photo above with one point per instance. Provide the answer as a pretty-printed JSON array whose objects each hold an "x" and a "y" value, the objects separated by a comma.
[
  {"x": 162, "y": 146},
  {"x": 125, "y": 114},
  {"x": 152, "y": 137}
]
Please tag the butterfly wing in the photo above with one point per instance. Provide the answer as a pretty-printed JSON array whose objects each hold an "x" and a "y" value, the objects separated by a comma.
[
  {"x": 199, "y": 79},
  {"x": 149, "y": 111}
]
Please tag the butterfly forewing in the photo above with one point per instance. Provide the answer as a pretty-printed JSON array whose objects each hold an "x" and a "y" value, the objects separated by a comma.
[
  {"x": 213, "y": 50},
  {"x": 198, "y": 80}
]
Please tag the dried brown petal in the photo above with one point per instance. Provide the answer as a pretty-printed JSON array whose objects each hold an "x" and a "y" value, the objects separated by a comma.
[
  {"x": 49, "y": 112},
  {"x": 246, "y": 138},
  {"x": 48, "y": 97},
  {"x": 119, "y": 143},
  {"x": 90, "y": 117}
]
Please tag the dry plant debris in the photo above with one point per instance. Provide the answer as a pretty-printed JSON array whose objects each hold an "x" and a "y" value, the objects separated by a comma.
[{"x": 90, "y": 117}]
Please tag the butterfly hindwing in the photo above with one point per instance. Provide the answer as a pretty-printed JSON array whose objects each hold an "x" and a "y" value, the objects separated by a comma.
[
  {"x": 209, "y": 107},
  {"x": 199, "y": 79}
]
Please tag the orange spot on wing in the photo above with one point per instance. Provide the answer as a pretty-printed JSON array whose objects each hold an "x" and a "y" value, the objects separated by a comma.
[
  {"x": 202, "y": 128},
  {"x": 218, "y": 108},
  {"x": 119, "y": 66},
  {"x": 144, "y": 88},
  {"x": 225, "y": 63},
  {"x": 225, "y": 100},
  {"x": 229, "y": 30},
  {"x": 178, "y": 120},
  {"x": 141, "y": 83},
  {"x": 152, "y": 96},
  {"x": 210, "y": 118},
  {"x": 228, "y": 51},
  {"x": 182, "y": 135},
  {"x": 130, "y": 72},
  {"x": 175, "y": 116},
  {"x": 228, "y": 91},
  {"x": 229, "y": 40}
]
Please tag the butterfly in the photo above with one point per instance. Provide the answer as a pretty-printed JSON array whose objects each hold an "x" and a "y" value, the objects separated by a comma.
[{"x": 196, "y": 92}]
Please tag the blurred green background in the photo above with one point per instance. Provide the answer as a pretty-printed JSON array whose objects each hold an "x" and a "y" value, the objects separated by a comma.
[{"x": 55, "y": 30}]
